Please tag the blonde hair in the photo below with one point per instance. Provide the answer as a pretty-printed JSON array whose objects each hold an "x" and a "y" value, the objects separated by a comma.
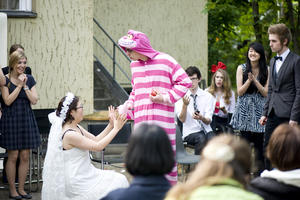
[
  {"x": 226, "y": 87},
  {"x": 213, "y": 169},
  {"x": 14, "y": 59},
  {"x": 282, "y": 31}
]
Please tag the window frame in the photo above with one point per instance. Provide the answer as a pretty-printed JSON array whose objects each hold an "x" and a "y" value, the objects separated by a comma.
[{"x": 21, "y": 13}]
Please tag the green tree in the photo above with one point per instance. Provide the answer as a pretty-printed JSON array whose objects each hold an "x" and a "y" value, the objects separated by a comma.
[{"x": 233, "y": 24}]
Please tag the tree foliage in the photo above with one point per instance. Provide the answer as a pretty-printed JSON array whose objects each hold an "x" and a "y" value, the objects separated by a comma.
[{"x": 234, "y": 24}]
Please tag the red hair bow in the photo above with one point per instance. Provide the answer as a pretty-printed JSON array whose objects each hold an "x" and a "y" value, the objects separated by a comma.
[{"x": 215, "y": 68}]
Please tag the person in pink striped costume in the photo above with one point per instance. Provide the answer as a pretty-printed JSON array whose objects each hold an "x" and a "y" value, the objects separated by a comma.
[{"x": 158, "y": 81}]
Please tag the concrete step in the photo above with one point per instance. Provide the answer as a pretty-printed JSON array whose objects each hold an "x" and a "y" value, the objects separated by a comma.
[{"x": 109, "y": 89}]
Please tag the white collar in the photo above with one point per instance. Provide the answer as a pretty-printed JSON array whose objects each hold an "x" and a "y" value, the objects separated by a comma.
[
  {"x": 291, "y": 177},
  {"x": 199, "y": 92},
  {"x": 284, "y": 54}
]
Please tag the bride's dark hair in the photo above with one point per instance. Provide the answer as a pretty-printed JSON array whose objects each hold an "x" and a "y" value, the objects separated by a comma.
[{"x": 72, "y": 106}]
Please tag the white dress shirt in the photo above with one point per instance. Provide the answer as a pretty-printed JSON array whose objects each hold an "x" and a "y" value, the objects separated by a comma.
[
  {"x": 205, "y": 104},
  {"x": 278, "y": 62}
]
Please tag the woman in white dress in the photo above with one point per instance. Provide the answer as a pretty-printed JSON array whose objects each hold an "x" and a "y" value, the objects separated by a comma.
[
  {"x": 68, "y": 172},
  {"x": 220, "y": 88}
]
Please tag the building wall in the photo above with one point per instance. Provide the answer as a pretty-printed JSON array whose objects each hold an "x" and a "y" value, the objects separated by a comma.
[
  {"x": 176, "y": 27},
  {"x": 58, "y": 44}
]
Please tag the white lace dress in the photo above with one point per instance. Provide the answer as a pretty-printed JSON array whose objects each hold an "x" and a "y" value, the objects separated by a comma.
[
  {"x": 84, "y": 181},
  {"x": 70, "y": 175},
  {"x": 81, "y": 179}
]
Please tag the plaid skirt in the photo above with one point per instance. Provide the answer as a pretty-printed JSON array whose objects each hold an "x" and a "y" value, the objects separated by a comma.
[{"x": 18, "y": 127}]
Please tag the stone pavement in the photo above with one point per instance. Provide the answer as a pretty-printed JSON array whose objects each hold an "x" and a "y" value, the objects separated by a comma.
[
  {"x": 113, "y": 154},
  {"x": 36, "y": 195}
]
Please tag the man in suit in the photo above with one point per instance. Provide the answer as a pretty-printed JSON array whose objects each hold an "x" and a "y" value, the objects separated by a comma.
[{"x": 283, "y": 101}]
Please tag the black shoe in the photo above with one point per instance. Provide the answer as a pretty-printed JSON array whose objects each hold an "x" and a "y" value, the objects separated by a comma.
[
  {"x": 15, "y": 197},
  {"x": 26, "y": 196}
]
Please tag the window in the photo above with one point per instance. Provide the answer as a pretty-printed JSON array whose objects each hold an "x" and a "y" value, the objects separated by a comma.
[{"x": 17, "y": 8}]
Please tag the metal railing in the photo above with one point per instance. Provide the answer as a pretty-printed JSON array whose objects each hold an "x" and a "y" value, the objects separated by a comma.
[{"x": 113, "y": 56}]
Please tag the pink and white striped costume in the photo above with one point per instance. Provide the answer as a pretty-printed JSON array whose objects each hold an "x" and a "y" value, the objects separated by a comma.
[{"x": 162, "y": 73}]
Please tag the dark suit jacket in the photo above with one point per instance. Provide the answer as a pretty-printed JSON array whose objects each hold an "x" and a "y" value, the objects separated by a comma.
[
  {"x": 284, "y": 94},
  {"x": 142, "y": 187}
]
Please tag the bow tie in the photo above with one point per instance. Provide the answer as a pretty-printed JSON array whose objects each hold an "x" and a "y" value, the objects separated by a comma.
[{"x": 278, "y": 58}]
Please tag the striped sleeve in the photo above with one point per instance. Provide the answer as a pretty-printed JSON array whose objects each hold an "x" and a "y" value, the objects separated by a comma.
[
  {"x": 130, "y": 102},
  {"x": 181, "y": 84},
  {"x": 132, "y": 93}
]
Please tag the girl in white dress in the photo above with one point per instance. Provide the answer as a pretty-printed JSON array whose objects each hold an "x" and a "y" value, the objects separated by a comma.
[
  {"x": 68, "y": 172},
  {"x": 220, "y": 88}
]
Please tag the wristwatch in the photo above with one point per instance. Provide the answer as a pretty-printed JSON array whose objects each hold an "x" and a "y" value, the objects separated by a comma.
[{"x": 26, "y": 88}]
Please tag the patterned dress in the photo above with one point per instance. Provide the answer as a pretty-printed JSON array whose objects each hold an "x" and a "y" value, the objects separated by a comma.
[
  {"x": 248, "y": 111},
  {"x": 18, "y": 127},
  {"x": 165, "y": 75}
]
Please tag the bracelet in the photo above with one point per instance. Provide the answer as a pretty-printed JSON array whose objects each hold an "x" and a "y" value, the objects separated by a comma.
[{"x": 26, "y": 88}]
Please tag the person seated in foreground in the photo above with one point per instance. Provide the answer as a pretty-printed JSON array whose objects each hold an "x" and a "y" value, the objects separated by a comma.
[
  {"x": 221, "y": 174},
  {"x": 283, "y": 150},
  {"x": 68, "y": 172},
  {"x": 148, "y": 158}
]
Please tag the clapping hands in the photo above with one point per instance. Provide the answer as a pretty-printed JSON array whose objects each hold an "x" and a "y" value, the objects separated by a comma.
[
  {"x": 111, "y": 113},
  {"x": 250, "y": 77},
  {"x": 119, "y": 120},
  {"x": 22, "y": 78},
  {"x": 115, "y": 119}
]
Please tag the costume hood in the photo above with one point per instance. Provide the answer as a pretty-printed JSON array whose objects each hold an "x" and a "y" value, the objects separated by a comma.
[{"x": 138, "y": 42}]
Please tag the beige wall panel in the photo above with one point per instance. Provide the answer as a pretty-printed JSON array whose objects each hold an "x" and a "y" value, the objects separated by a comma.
[
  {"x": 59, "y": 47},
  {"x": 176, "y": 27}
]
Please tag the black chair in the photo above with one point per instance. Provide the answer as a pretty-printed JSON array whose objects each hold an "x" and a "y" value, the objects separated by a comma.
[
  {"x": 182, "y": 157},
  {"x": 117, "y": 146},
  {"x": 180, "y": 126},
  {"x": 41, "y": 116},
  {"x": 3, "y": 158}
]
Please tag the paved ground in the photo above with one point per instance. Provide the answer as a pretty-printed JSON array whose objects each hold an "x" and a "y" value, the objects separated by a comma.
[
  {"x": 119, "y": 167},
  {"x": 37, "y": 194}
]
